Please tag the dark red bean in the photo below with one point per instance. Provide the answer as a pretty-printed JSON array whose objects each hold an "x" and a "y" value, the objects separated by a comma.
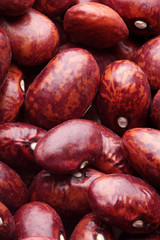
[
  {"x": 38, "y": 219},
  {"x": 95, "y": 25},
  {"x": 155, "y": 110},
  {"x": 5, "y": 53},
  {"x": 34, "y": 37},
  {"x": 141, "y": 147},
  {"x": 124, "y": 97},
  {"x": 11, "y": 94},
  {"x": 126, "y": 202},
  {"x": 13, "y": 191},
  {"x": 68, "y": 147},
  {"x": 67, "y": 194},
  {"x": 112, "y": 158},
  {"x": 17, "y": 142},
  {"x": 64, "y": 89},
  {"x": 7, "y": 225},
  {"x": 148, "y": 58},
  {"x": 15, "y": 7},
  {"x": 141, "y": 17},
  {"x": 52, "y": 8},
  {"x": 92, "y": 228}
]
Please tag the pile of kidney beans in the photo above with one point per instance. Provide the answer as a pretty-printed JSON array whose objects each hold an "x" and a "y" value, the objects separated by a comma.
[{"x": 79, "y": 119}]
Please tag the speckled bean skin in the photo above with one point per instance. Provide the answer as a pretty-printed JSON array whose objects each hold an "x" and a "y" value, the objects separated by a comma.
[
  {"x": 67, "y": 194},
  {"x": 15, "y": 144},
  {"x": 155, "y": 110},
  {"x": 103, "y": 57},
  {"x": 112, "y": 158},
  {"x": 69, "y": 145},
  {"x": 133, "y": 10},
  {"x": 141, "y": 146},
  {"x": 15, "y": 7},
  {"x": 5, "y": 54},
  {"x": 90, "y": 227},
  {"x": 11, "y": 95},
  {"x": 34, "y": 37},
  {"x": 95, "y": 25},
  {"x": 64, "y": 88},
  {"x": 13, "y": 191},
  {"x": 7, "y": 226},
  {"x": 124, "y": 92},
  {"x": 52, "y": 8},
  {"x": 148, "y": 58},
  {"x": 37, "y": 219},
  {"x": 126, "y": 202}
]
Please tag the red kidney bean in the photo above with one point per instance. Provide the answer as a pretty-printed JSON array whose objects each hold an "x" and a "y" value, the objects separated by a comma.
[
  {"x": 7, "y": 225},
  {"x": 126, "y": 49},
  {"x": 155, "y": 110},
  {"x": 17, "y": 142},
  {"x": 103, "y": 57},
  {"x": 92, "y": 228},
  {"x": 141, "y": 17},
  {"x": 38, "y": 219},
  {"x": 15, "y": 7},
  {"x": 13, "y": 191},
  {"x": 112, "y": 158},
  {"x": 147, "y": 57},
  {"x": 141, "y": 147},
  {"x": 95, "y": 25},
  {"x": 67, "y": 194},
  {"x": 126, "y": 202},
  {"x": 11, "y": 94},
  {"x": 5, "y": 53},
  {"x": 124, "y": 97},
  {"x": 34, "y": 37},
  {"x": 52, "y": 8},
  {"x": 68, "y": 147},
  {"x": 64, "y": 89}
]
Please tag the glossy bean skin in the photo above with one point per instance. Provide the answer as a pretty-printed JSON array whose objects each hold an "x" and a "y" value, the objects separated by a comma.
[
  {"x": 11, "y": 95},
  {"x": 16, "y": 141},
  {"x": 138, "y": 10},
  {"x": 155, "y": 110},
  {"x": 126, "y": 202},
  {"x": 7, "y": 226},
  {"x": 13, "y": 191},
  {"x": 5, "y": 53},
  {"x": 95, "y": 25},
  {"x": 147, "y": 57},
  {"x": 64, "y": 89},
  {"x": 14, "y": 7},
  {"x": 67, "y": 194},
  {"x": 90, "y": 227},
  {"x": 68, "y": 147},
  {"x": 37, "y": 219},
  {"x": 52, "y": 8},
  {"x": 103, "y": 57},
  {"x": 141, "y": 147},
  {"x": 31, "y": 44},
  {"x": 112, "y": 158},
  {"x": 124, "y": 97}
]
